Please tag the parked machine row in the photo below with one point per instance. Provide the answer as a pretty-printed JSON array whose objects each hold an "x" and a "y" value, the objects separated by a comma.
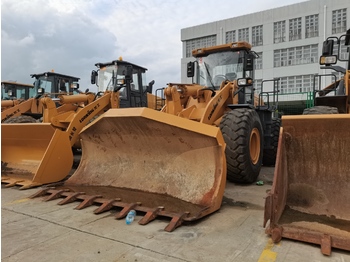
[{"x": 174, "y": 162}]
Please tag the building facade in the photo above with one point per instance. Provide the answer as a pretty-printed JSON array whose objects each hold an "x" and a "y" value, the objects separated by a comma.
[{"x": 288, "y": 41}]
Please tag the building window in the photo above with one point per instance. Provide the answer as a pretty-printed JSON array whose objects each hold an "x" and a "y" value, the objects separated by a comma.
[
  {"x": 343, "y": 53},
  {"x": 283, "y": 85},
  {"x": 257, "y": 35},
  {"x": 311, "y": 26},
  {"x": 243, "y": 34},
  {"x": 230, "y": 36},
  {"x": 296, "y": 56},
  {"x": 279, "y": 32},
  {"x": 257, "y": 85},
  {"x": 295, "y": 29},
  {"x": 258, "y": 61},
  {"x": 298, "y": 84},
  {"x": 291, "y": 56},
  {"x": 199, "y": 43},
  {"x": 339, "y": 21},
  {"x": 277, "y": 58}
]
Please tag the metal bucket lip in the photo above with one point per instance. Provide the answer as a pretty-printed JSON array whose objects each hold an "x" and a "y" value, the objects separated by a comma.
[
  {"x": 323, "y": 116},
  {"x": 165, "y": 118}
]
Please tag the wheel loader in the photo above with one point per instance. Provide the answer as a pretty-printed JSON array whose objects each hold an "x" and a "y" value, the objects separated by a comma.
[
  {"x": 48, "y": 84},
  {"x": 172, "y": 163},
  {"x": 12, "y": 93},
  {"x": 33, "y": 154},
  {"x": 309, "y": 200}
]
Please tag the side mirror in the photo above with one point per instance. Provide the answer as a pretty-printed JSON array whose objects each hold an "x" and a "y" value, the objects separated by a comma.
[
  {"x": 94, "y": 74},
  {"x": 190, "y": 69},
  {"x": 248, "y": 64},
  {"x": 128, "y": 74},
  {"x": 327, "y": 48},
  {"x": 150, "y": 86},
  {"x": 347, "y": 37}
]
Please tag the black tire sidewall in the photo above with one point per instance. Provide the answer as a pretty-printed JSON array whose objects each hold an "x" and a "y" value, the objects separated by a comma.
[
  {"x": 237, "y": 126},
  {"x": 269, "y": 156},
  {"x": 20, "y": 119}
]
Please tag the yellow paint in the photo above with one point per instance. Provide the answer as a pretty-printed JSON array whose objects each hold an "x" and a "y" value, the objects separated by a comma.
[
  {"x": 268, "y": 255},
  {"x": 17, "y": 201}
]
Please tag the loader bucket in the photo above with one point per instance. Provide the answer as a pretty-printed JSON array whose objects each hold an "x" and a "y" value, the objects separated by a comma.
[
  {"x": 34, "y": 154},
  {"x": 150, "y": 161},
  {"x": 310, "y": 196}
]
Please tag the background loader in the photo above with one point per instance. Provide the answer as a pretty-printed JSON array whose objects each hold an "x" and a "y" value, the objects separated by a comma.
[
  {"x": 172, "y": 162},
  {"x": 48, "y": 84},
  {"x": 309, "y": 200},
  {"x": 13, "y": 92},
  {"x": 40, "y": 153}
]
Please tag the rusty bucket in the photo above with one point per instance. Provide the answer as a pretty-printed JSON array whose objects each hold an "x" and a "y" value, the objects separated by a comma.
[
  {"x": 310, "y": 196},
  {"x": 143, "y": 159}
]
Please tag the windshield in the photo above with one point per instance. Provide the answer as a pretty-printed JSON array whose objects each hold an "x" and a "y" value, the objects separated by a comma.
[
  {"x": 45, "y": 83},
  {"x": 14, "y": 91},
  {"x": 110, "y": 77},
  {"x": 217, "y": 67}
]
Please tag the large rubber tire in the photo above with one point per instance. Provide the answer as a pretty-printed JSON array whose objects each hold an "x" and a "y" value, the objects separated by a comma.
[
  {"x": 269, "y": 156},
  {"x": 320, "y": 110},
  {"x": 243, "y": 134},
  {"x": 20, "y": 119}
]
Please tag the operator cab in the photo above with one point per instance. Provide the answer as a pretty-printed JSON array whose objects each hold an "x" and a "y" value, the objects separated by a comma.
[
  {"x": 13, "y": 90},
  {"x": 127, "y": 78},
  {"x": 53, "y": 84},
  {"x": 229, "y": 62},
  {"x": 337, "y": 93}
]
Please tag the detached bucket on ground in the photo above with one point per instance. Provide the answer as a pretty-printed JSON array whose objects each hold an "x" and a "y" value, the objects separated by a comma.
[{"x": 310, "y": 196}]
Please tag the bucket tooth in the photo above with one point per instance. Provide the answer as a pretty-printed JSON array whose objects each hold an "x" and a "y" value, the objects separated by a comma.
[
  {"x": 175, "y": 222},
  {"x": 107, "y": 205},
  {"x": 88, "y": 201},
  {"x": 41, "y": 192},
  {"x": 150, "y": 216},
  {"x": 56, "y": 194},
  {"x": 71, "y": 198},
  {"x": 326, "y": 245},
  {"x": 13, "y": 183},
  {"x": 126, "y": 210}
]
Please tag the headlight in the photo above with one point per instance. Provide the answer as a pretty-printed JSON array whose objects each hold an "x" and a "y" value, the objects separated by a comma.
[
  {"x": 120, "y": 81},
  {"x": 74, "y": 86},
  {"x": 328, "y": 60},
  {"x": 242, "y": 82},
  {"x": 9, "y": 93},
  {"x": 40, "y": 90}
]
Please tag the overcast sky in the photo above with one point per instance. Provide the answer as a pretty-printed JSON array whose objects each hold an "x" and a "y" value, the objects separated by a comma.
[{"x": 70, "y": 36}]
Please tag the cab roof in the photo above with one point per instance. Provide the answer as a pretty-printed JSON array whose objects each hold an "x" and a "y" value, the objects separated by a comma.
[
  {"x": 234, "y": 46},
  {"x": 55, "y": 74},
  {"x": 15, "y": 83},
  {"x": 119, "y": 62}
]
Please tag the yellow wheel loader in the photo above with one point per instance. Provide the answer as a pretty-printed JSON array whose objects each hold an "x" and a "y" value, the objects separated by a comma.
[
  {"x": 30, "y": 109},
  {"x": 310, "y": 196},
  {"x": 33, "y": 154},
  {"x": 12, "y": 93},
  {"x": 172, "y": 162}
]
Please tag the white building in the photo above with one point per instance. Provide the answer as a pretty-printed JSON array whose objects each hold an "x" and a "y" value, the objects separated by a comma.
[{"x": 288, "y": 40}]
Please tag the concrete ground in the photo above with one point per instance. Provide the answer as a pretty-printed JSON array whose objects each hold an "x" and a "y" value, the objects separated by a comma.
[{"x": 34, "y": 230}]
